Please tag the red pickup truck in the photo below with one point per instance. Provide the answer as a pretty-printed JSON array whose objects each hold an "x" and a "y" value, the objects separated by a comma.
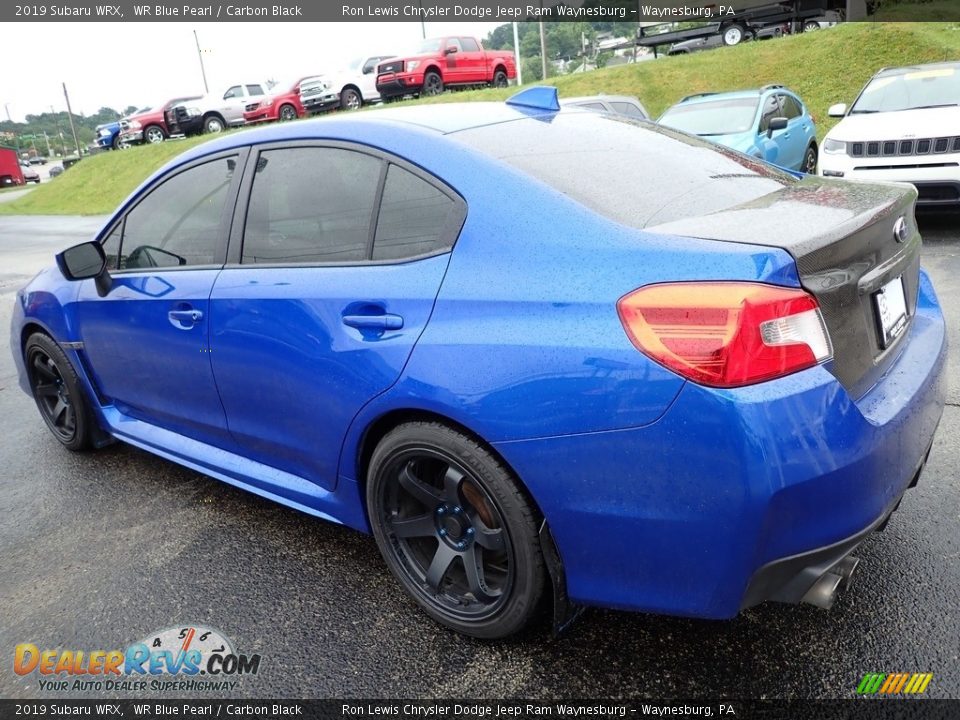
[{"x": 444, "y": 62}]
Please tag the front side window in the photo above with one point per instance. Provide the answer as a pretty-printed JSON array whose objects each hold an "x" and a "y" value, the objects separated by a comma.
[
  {"x": 235, "y": 91},
  {"x": 771, "y": 109},
  {"x": 469, "y": 44},
  {"x": 311, "y": 205},
  {"x": 454, "y": 43},
  {"x": 179, "y": 222}
]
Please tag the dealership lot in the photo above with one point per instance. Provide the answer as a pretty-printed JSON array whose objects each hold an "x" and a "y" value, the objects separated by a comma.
[{"x": 102, "y": 549}]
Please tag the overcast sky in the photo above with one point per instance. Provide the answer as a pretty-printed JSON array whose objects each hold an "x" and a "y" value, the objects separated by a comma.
[{"x": 121, "y": 64}]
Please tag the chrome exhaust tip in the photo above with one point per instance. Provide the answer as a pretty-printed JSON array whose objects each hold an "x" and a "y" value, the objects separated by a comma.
[
  {"x": 824, "y": 591},
  {"x": 845, "y": 569}
]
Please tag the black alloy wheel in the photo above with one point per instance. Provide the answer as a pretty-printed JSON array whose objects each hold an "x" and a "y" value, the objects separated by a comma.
[
  {"x": 432, "y": 84},
  {"x": 56, "y": 390},
  {"x": 288, "y": 113},
  {"x": 455, "y": 530},
  {"x": 810, "y": 161},
  {"x": 500, "y": 79}
]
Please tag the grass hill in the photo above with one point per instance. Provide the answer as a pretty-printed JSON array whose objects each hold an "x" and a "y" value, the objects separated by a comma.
[{"x": 824, "y": 67}]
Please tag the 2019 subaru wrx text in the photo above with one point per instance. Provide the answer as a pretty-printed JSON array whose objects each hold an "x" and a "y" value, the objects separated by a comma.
[{"x": 687, "y": 400}]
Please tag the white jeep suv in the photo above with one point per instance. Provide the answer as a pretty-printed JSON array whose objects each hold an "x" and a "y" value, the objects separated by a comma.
[{"x": 904, "y": 126}]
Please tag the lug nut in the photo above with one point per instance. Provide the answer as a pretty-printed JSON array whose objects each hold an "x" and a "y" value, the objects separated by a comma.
[{"x": 442, "y": 532}]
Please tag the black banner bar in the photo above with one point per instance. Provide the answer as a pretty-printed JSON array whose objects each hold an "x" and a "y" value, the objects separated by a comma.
[
  {"x": 855, "y": 709},
  {"x": 647, "y": 11}
]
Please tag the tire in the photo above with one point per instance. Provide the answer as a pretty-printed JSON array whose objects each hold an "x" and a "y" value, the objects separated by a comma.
[
  {"x": 810, "y": 160},
  {"x": 734, "y": 34},
  {"x": 432, "y": 84},
  {"x": 350, "y": 99},
  {"x": 57, "y": 391},
  {"x": 213, "y": 124},
  {"x": 115, "y": 144},
  {"x": 153, "y": 134},
  {"x": 287, "y": 113},
  {"x": 440, "y": 503},
  {"x": 810, "y": 26},
  {"x": 500, "y": 79}
]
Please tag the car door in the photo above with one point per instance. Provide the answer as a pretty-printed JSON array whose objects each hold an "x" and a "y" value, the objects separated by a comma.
[
  {"x": 332, "y": 278},
  {"x": 367, "y": 79},
  {"x": 798, "y": 133},
  {"x": 473, "y": 61},
  {"x": 146, "y": 340},
  {"x": 455, "y": 69}
]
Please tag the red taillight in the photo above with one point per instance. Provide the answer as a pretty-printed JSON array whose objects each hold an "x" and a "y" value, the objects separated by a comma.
[{"x": 726, "y": 334}]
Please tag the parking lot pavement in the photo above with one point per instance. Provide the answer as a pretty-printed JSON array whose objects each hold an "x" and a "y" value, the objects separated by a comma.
[{"x": 97, "y": 550}]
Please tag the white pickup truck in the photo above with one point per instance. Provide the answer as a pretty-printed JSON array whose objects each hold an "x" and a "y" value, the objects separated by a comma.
[
  {"x": 349, "y": 88},
  {"x": 216, "y": 111}
]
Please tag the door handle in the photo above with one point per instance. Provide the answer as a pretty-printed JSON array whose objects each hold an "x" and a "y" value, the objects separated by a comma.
[
  {"x": 184, "y": 319},
  {"x": 386, "y": 321}
]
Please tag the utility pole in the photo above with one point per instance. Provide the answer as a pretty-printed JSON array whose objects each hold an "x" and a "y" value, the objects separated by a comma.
[
  {"x": 206, "y": 88},
  {"x": 73, "y": 127},
  {"x": 516, "y": 54},
  {"x": 47, "y": 139},
  {"x": 543, "y": 49},
  {"x": 56, "y": 119}
]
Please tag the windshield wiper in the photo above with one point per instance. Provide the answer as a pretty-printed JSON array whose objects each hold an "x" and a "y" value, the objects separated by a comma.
[
  {"x": 928, "y": 107},
  {"x": 862, "y": 112}
]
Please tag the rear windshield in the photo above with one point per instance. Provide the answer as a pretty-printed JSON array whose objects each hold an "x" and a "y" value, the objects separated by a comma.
[
  {"x": 714, "y": 117},
  {"x": 633, "y": 172}
]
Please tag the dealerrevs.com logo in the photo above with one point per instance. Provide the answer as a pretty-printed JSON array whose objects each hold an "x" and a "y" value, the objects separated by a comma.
[{"x": 185, "y": 658}]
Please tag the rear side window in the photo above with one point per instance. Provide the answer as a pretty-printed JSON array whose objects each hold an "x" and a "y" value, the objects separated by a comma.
[
  {"x": 791, "y": 108},
  {"x": 311, "y": 205},
  {"x": 254, "y": 90},
  {"x": 415, "y": 218},
  {"x": 628, "y": 109}
]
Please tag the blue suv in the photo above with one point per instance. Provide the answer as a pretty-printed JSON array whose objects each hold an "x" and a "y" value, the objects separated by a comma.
[{"x": 771, "y": 123}]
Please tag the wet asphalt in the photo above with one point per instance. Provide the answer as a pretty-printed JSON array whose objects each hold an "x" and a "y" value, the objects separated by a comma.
[{"x": 97, "y": 550}]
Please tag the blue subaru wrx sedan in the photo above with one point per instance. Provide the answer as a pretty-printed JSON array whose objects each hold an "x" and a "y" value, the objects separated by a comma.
[{"x": 549, "y": 358}]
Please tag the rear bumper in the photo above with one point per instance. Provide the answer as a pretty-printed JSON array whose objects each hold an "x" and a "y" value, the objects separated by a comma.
[
  {"x": 789, "y": 579},
  {"x": 681, "y": 516}
]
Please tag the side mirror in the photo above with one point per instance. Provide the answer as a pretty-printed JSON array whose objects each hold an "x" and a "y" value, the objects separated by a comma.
[
  {"x": 85, "y": 261},
  {"x": 449, "y": 51},
  {"x": 777, "y": 123},
  {"x": 838, "y": 110}
]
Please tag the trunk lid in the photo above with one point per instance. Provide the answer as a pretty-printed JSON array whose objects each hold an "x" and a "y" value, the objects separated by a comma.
[{"x": 849, "y": 241}]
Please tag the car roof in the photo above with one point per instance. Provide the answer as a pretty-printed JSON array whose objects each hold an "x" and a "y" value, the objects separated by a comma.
[
  {"x": 888, "y": 72},
  {"x": 440, "y": 118},
  {"x": 589, "y": 98},
  {"x": 753, "y": 92}
]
